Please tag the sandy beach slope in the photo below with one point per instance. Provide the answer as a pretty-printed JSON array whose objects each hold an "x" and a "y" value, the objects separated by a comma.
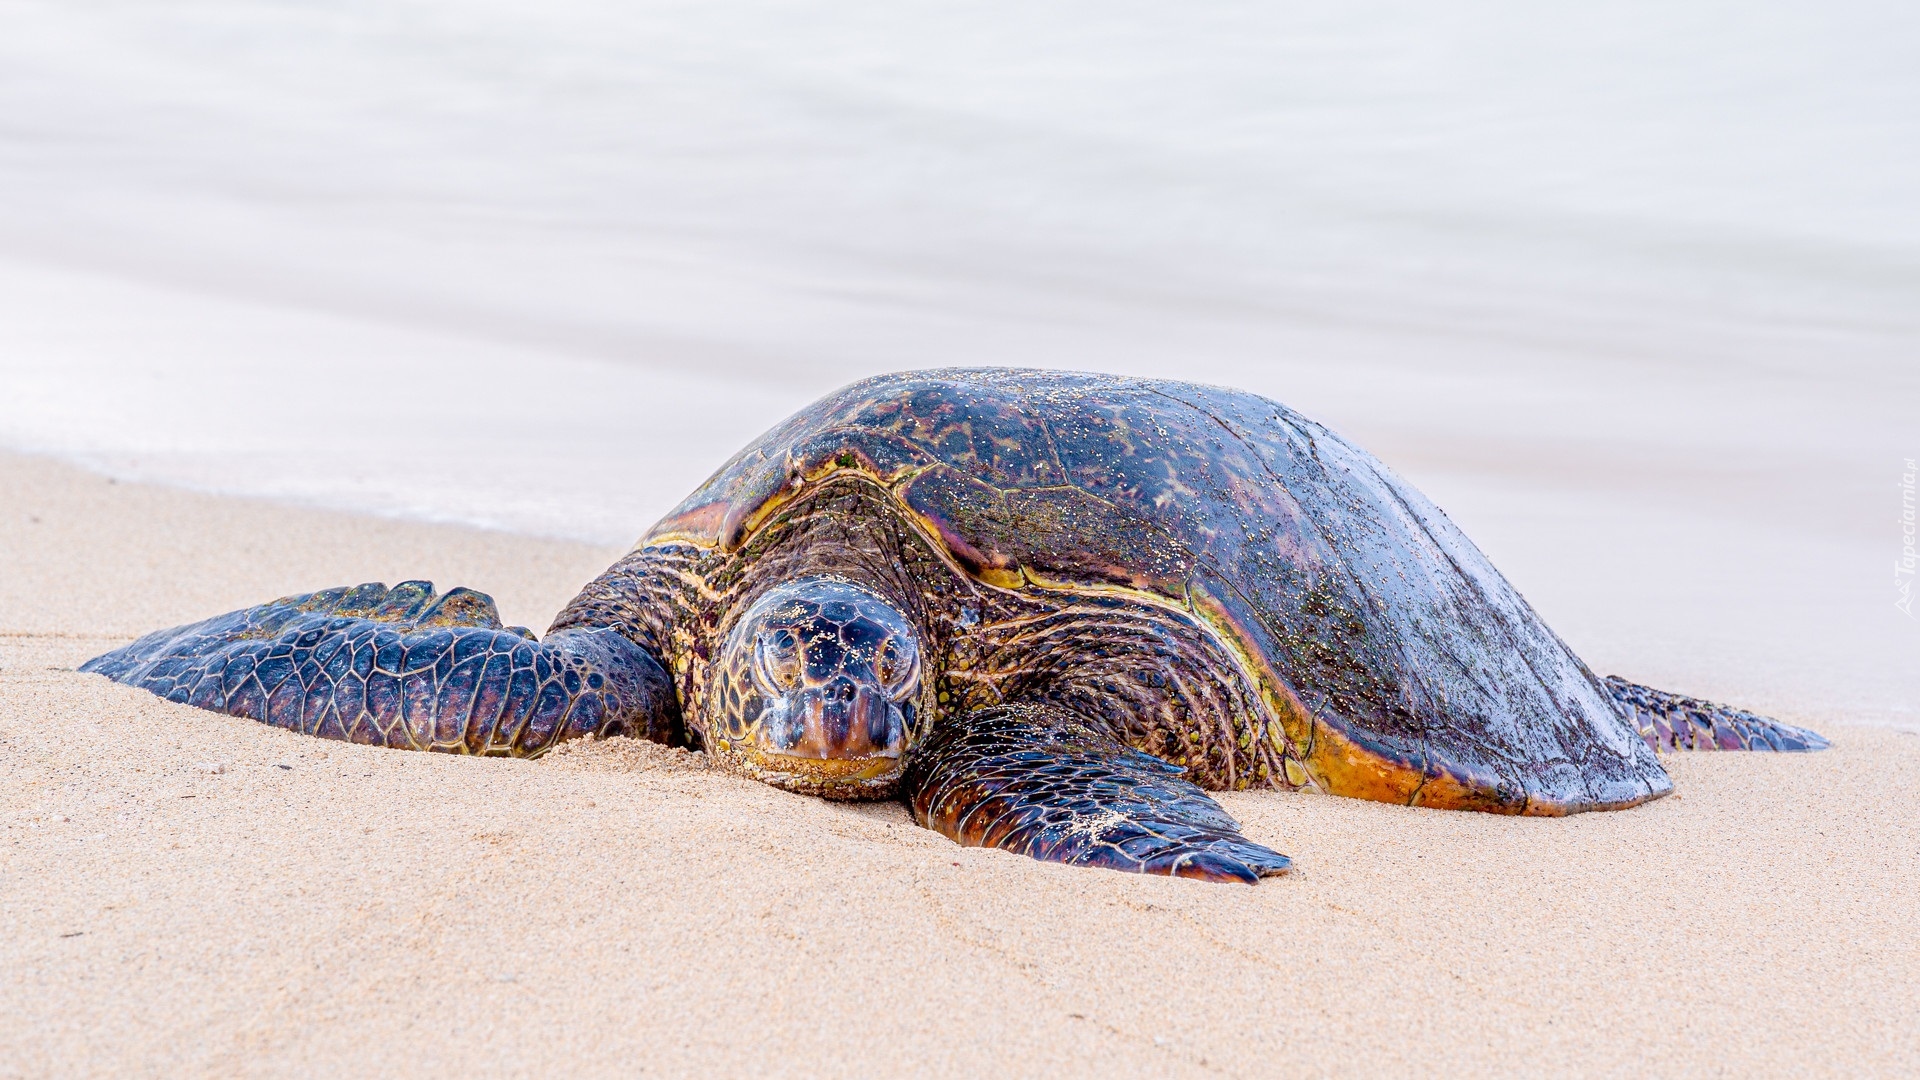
[{"x": 183, "y": 893}]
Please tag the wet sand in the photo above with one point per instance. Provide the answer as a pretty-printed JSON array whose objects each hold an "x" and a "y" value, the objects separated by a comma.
[{"x": 185, "y": 893}]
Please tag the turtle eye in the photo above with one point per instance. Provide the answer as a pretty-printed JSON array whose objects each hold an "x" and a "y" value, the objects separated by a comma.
[
  {"x": 897, "y": 667},
  {"x": 777, "y": 660}
]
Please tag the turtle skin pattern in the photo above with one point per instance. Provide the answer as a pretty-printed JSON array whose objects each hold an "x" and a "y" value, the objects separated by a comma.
[
  {"x": 1034, "y": 779},
  {"x": 1669, "y": 721},
  {"x": 402, "y": 668}
]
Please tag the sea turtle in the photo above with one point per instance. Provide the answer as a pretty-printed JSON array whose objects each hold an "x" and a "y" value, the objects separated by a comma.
[{"x": 1047, "y": 609}]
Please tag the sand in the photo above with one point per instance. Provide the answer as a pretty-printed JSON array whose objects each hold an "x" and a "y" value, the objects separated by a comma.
[{"x": 185, "y": 893}]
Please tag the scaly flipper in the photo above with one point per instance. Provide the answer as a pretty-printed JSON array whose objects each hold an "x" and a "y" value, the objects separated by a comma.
[
  {"x": 1036, "y": 780},
  {"x": 1675, "y": 722},
  {"x": 402, "y": 667}
]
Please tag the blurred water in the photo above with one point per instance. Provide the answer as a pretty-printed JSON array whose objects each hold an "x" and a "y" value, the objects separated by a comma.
[{"x": 1582, "y": 273}]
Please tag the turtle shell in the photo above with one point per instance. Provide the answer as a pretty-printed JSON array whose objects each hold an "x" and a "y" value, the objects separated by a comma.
[{"x": 1399, "y": 662}]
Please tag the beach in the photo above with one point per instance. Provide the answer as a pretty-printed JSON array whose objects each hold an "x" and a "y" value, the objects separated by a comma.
[
  {"x": 190, "y": 894},
  {"x": 304, "y": 295}
]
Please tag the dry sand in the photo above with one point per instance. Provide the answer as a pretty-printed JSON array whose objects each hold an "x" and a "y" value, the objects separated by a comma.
[{"x": 184, "y": 893}]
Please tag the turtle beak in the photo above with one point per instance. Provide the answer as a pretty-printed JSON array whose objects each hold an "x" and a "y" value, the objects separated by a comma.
[{"x": 841, "y": 719}]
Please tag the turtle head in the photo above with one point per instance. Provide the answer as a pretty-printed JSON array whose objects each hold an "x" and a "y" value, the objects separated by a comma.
[{"x": 815, "y": 690}]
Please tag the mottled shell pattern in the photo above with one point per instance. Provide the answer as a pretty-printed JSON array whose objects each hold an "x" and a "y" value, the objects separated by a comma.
[{"x": 1386, "y": 658}]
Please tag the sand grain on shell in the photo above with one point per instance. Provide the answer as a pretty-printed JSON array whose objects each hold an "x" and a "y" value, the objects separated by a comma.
[{"x": 184, "y": 893}]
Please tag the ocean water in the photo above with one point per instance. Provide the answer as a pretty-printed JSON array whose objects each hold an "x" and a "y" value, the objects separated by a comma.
[{"x": 1633, "y": 290}]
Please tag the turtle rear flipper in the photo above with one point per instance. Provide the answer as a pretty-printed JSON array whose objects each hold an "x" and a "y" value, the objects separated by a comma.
[
  {"x": 1675, "y": 722},
  {"x": 1035, "y": 780},
  {"x": 404, "y": 667}
]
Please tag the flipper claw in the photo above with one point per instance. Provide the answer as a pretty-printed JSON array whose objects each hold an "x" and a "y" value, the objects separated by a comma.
[
  {"x": 460, "y": 607},
  {"x": 403, "y": 601}
]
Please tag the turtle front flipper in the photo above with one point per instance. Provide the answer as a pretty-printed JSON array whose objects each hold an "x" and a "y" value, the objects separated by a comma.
[
  {"x": 1036, "y": 780},
  {"x": 405, "y": 668},
  {"x": 1675, "y": 722}
]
